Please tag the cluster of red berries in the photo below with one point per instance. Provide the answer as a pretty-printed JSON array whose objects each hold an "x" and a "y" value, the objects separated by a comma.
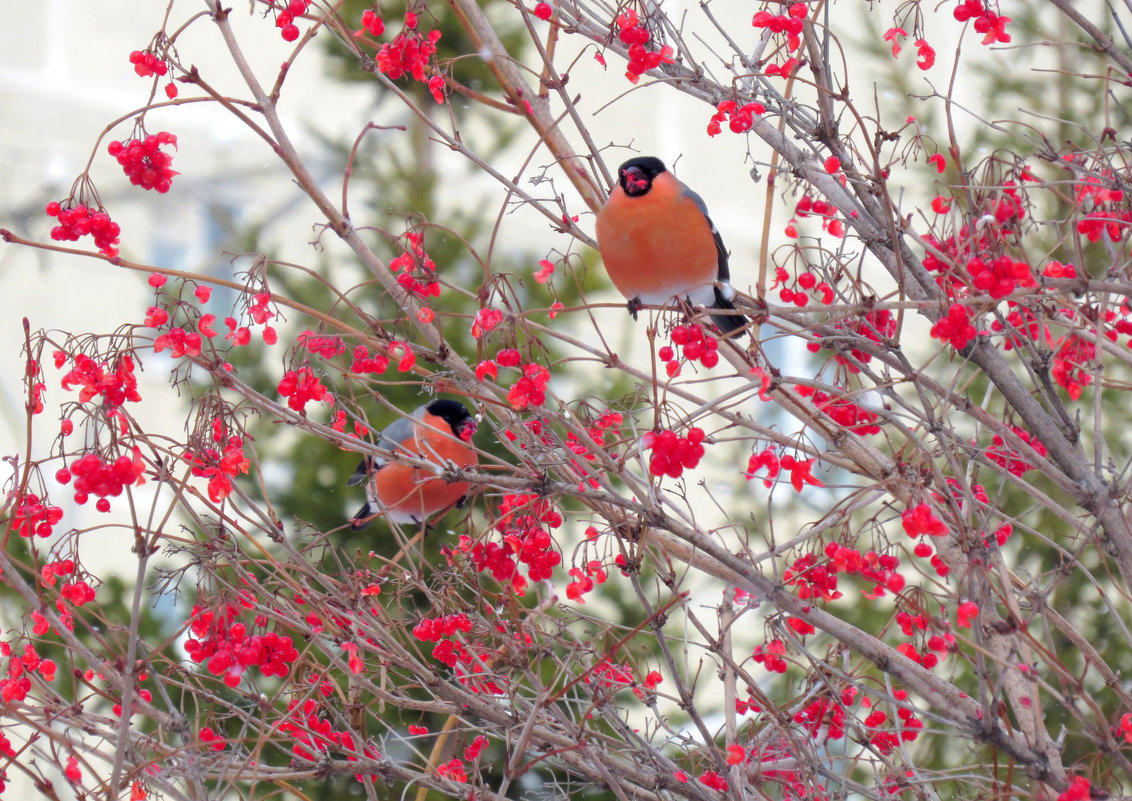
[
  {"x": 1071, "y": 364},
  {"x": 771, "y": 656},
  {"x": 220, "y": 468},
  {"x": 987, "y": 22},
  {"x": 364, "y": 363},
  {"x": 417, "y": 269},
  {"x": 315, "y": 737},
  {"x": 103, "y": 480},
  {"x": 434, "y": 629},
  {"x": 800, "y": 470},
  {"x": 806, "y": 282},
  {"x": 525, "y": 522},
  {"x": 825, "y": 716},
  {"x": 598, "y": 433},
  {"x": 1079, "y": 790},
  {"x": 789, "y": 23},
  {"x": 302, "y": 386},
  {"x": 219, "y": 638},
  {"x": 999, "y": 277},
  {"x": 830, "y": 222},
  {"x": 714, "y": 781},
  {"x": 144, "y": 162},
  {"x": 819, "y": 580},
  {"x": 1020, "y": 323},
  {"x": 910, "y": 725},
  {"x": 1004, "y": 456},
  {"x": 999, "y": 216},
  {"x": 485, "y": 320},
  {"x": 671, "y": 454},
  {"x": 610, "y": 675},
  {"x": 17, "y": 685},
  {"x": 843, "y": 411},
  {"x": 494, "y": 558},
  {"x": 466, "y": 661},
  {"x": 215, "y": 741},
  {"x": 372, "y": 23},
  {"x": 325, "y": 346},
  {"x": 78, "y": 220},
  {"x": 585, "y": 580},
  {"x": 812, "y": 579},
  {"x": 489, "y": 368},
  {"x": 955, "y": 327},
  {"x": 924, "y": 50},
  {"x": 409, "y": 52},
  {"x": 881, "y": 569},
  {"x": 739, "y": 118},
  {"x": 179, "y": 343},
  {"x": 696, "y": 346},
  {"x": 33, "y": 517},
  {"x": 1104, "y": 204},
  {"x": 147, "y": 64},
  {"x": 875, "y": 326},
  {"x": 641, "y": 59},
  {"x": 115, "y": 387},
  {"x": 530, "y": 388},
  {"x": 920, "y": 520},
  {"x": 51, "y": 572},
  {"x": 287, "y": 12}
]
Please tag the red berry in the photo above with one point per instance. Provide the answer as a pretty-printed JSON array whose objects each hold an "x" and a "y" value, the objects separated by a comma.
[
  {"x": 103, "y": 505},
  {"x": 543, "y": 11},
  {"x": 290, "y": 33},
  {"x": 63, "y": 475},
  {"x": 665, "y": 354}
]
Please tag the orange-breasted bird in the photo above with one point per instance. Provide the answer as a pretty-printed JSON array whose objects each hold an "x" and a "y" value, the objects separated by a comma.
[
  {"x": 439, "y": 432},
  {"x": 658, "y": 243}
]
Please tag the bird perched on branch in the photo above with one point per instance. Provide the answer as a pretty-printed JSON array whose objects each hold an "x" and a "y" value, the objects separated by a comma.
[
  {"x": 658, "y": 243},
  {"x": 439, "y": 432}
]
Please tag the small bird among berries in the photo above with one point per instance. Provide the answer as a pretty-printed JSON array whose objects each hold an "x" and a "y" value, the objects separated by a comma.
[
  {"x": 439, "y": 432},
  {"x": 658, "y": 243}
]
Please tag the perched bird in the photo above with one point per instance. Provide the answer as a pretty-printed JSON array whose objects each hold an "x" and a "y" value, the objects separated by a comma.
[
  {"x": 658, "y": 243},
  {"x": 439, "y": 432}
]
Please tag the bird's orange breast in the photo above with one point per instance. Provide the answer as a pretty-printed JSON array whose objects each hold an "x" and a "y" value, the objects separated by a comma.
[
  {"x": 417, "y": 492},
  {"x": 656, "y": 245}
]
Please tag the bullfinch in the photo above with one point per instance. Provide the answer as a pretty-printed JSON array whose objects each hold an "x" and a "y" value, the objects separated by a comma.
[
  {"x": 658, "y": 243},
  {"x": 439, "y": 432}
]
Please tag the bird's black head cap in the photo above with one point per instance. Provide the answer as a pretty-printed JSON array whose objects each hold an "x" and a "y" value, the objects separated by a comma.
[
  {"x": 452, "y": 412},
  {"x": 636, "y": 175}
]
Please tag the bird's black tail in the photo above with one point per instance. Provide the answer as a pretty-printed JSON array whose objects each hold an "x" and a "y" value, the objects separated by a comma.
[
  {"x": 727, "y": 323},
  {"x": 364, "y": 516}
]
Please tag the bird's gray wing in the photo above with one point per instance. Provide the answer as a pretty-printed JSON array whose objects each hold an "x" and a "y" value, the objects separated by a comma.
[
  {"x": 723, "y": 270},
  {"x": 391, "y": 438}
]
